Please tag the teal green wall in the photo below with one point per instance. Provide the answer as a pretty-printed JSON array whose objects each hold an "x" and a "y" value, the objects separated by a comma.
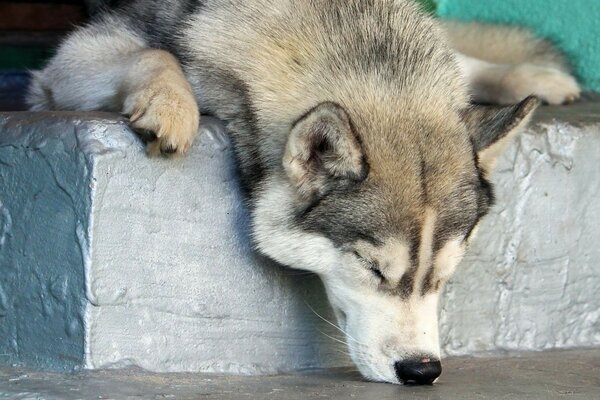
[
  {"x": 573, "y": 25},
  {"x": 44, "y": 203}
]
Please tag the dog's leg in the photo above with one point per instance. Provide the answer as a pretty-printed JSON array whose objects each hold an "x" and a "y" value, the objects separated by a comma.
[
  {"x": 159, "y": 99},
  {"x": 505, "y": 64},
  {"x": 509, "y": 84},
  {"x": 107, "y": 67}
]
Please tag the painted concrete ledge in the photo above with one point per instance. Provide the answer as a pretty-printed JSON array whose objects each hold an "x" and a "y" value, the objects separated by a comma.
[
  {"x": 522, "y": 376},
  {"x": 111, "y": 259}
]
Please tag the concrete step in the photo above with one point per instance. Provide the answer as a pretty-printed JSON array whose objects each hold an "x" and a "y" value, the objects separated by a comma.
[
  {"x": 111, "y": 259},
  {"x": 533, "y": 376}
]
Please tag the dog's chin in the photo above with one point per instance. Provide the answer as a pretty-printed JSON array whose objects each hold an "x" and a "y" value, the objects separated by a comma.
[
  {"x": 372, "y": 375},
  {"x": 373, "y": 370},
  {"x": 363, "y": 359}
]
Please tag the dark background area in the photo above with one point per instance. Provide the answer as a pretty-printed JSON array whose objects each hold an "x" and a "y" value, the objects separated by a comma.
[
  {"x": 29, "y": 30},
  {"x": 29, "y": 33}
]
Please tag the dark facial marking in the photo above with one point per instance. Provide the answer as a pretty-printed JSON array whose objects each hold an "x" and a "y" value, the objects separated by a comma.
[
  {"x": 427, "y": 282},
  {"x": 423, "y": 178},
  {"x": 372, "y": 265},
  {"x": 345, "y": 215},
  {"x": 462, "y": 219},
  {"x": 407, "y": 282}
]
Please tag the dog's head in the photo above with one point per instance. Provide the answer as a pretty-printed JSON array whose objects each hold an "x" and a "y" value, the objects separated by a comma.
[{"x": 384, "y": 218}]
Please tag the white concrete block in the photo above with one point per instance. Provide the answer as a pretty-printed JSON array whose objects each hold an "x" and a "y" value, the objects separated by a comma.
[
  {"x": 531, "y": 280},
  {"x": 173, "y": 282},
  {"x": 173, "y": 285}
]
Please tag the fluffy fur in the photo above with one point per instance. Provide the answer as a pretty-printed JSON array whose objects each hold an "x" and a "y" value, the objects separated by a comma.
[{"x": 362, "y": 156}]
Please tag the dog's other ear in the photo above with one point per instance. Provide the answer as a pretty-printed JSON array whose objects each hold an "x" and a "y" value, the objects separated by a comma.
[
  {"x": 493, "y": 127},
  {"x": 322, "y": 151}
]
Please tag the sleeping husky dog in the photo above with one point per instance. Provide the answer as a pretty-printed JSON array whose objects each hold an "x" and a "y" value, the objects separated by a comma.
[{"x": 361, "y": 150}]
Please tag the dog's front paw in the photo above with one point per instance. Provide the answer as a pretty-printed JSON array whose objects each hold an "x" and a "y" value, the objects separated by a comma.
[
  {"x": 166, "y": 114},
  {"x": 549, "y": 84}
]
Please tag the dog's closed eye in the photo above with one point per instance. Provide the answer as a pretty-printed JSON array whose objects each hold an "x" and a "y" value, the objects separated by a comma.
[{"x": 371, "y": 266}]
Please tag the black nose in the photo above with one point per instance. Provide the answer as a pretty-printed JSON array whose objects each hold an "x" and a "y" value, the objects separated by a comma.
[{"x": 418, "y": 372}]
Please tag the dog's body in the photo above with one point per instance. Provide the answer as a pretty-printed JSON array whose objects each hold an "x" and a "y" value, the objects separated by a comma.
[{"x": 360, "y": 152}]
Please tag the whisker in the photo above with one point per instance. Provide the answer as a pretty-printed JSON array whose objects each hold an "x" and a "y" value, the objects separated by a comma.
[
  {"x": 344, "y": 352},
  {"x": 331, "y": 323},
  {"x": 333, "y": 338}
]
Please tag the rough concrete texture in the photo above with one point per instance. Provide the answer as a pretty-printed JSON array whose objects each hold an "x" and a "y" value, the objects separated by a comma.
[
  {"x": 530, "y": 281},
  {"x": 541, "y": 376},
  {"x": 44, "y": 214},
  {"x": 172, "y": 283}
]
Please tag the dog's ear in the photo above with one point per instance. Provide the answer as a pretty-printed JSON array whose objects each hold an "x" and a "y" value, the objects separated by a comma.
[
  {"x": 322, "y": 151},
  {"x": 493, "y": 127}
]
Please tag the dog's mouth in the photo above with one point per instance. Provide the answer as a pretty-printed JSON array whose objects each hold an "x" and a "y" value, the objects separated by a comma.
[{"x": 417, "y": 371}]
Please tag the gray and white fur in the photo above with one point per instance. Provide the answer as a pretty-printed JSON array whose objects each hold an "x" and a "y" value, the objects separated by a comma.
[{"x": 361, "y": 152}]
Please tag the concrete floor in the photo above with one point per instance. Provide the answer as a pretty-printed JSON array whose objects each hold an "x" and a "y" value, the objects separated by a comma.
[{"x": 573, "y": 374}]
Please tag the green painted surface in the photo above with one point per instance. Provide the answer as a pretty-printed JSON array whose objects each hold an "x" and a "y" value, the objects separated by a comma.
[
  {"x": 44, "y": 203},
  {"x": 17, "y": 57},
  {"x": 572, "y": 25}
]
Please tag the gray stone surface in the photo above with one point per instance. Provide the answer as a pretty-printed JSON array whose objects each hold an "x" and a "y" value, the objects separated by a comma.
[
  {"x": 540, "y": 376},
  {"x": 171, "y": 282},
  {"x": 531, "y": 279}
]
